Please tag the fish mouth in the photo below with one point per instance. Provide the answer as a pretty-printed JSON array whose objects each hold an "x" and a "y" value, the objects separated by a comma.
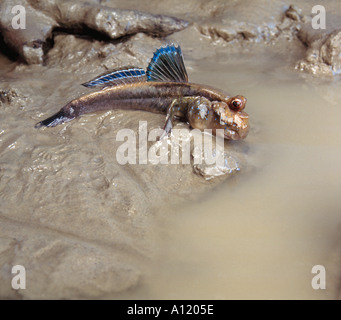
[
  {"x": 237, "y": 131},
  {"x": 231, "y": 134},
  {"x": 234, "y": 134}
]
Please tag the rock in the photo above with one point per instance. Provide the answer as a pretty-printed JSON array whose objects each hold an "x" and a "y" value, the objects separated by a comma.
[
  {"x": 331, "y": 51},
  {"x": 8, "y": 96},
  {"x": 323, "y": 56},
  {"x": 92, "y": 57},
  {"x": 238, "y": 22},
  {"x": 210, "y": 171},
  {"x": 294, "y": 13},
  {"x": 27, "y": 42},
  {"x": 76, "y": 17},
  {"x": 210, "y": 159},
  {"x": 110, "y": 22}
]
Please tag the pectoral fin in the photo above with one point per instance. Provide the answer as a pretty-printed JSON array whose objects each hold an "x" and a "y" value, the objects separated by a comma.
[
  {"x": 177, "y": 109},
  {"x": 168, "y": 126}
]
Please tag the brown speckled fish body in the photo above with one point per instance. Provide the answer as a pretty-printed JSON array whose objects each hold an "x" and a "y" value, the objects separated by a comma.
[{"x": 203, "y": 107}]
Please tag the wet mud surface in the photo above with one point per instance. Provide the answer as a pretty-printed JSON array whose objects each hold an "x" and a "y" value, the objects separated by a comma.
[{"x": 85, "y": 226}]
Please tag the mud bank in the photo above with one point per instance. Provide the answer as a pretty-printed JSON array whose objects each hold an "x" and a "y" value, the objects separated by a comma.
[{"x": 83, "y": 225}]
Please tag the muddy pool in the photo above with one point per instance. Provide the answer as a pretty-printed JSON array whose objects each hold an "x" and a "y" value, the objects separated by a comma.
[{"x": 84, "y": 226}]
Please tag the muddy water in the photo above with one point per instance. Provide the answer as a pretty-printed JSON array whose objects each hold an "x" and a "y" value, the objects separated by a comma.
[
  {"x": 257, "y": 235},
  {"x": 260, "y": 234},
  {"x": 84, "y": 226}
]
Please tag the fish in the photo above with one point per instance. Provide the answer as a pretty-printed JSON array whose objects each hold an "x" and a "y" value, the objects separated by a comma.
[{"x": 162, "y": 88}]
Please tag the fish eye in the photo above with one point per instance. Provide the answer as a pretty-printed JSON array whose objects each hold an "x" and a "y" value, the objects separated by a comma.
[{"x": 236, "y": 104}]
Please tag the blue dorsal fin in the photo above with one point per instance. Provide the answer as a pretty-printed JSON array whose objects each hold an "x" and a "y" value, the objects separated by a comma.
[
  {"x": 116, "y": 77},
  {"x": 167, "y": 64}
]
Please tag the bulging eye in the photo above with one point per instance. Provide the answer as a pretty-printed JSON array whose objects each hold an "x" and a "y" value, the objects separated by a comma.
[{"x": 236, "y": 105}]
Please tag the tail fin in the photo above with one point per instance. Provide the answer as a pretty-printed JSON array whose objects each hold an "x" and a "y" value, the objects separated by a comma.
[{"x": 54, "y": 120}]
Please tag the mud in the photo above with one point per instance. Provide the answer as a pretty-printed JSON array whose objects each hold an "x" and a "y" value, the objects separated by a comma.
[
  {"x": 76, "y": 17},
  {"x": 85, "y": 226}
]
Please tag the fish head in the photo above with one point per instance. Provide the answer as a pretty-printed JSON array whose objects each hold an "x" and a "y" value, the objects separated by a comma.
[{"x": 229, "y": 115}]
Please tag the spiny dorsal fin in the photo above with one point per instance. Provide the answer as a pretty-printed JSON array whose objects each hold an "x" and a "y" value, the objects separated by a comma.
[
  {"x": 116, "y": 77},
  {"x": 167, "y": 64}
]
